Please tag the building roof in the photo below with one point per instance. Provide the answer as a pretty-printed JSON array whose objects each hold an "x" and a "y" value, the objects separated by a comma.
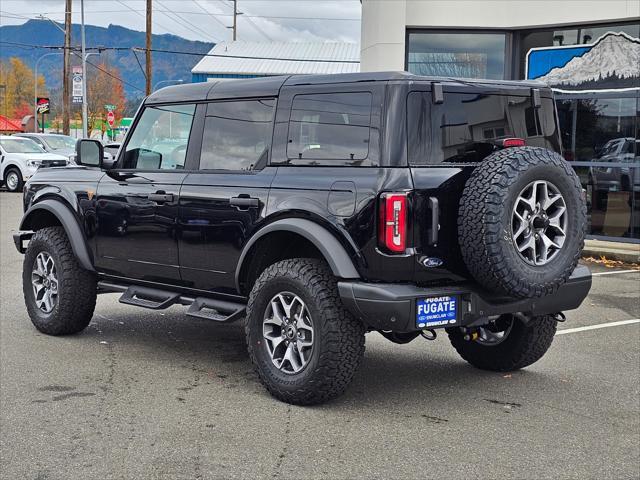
[
  {"x": 280, "y": 58},
  {"x": 9, "y": 125}
]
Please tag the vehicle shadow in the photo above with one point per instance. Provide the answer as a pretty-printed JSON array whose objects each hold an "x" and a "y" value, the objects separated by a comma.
[{"x": 388, "y": 378}]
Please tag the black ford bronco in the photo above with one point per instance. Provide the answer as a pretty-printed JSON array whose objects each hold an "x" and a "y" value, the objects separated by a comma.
[{"x": 317, "y": 209}]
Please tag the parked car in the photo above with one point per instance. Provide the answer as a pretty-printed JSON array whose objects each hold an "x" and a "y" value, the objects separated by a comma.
[
  {"x": 608, "y": 174},
  {"x": 53, "y": 142},
  {"x": 20, "y": 158},
  {"x": 320, "y": 208}
]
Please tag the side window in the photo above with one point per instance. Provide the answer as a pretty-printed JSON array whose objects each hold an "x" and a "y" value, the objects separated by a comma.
[
  {"x": 159, "y": 141},
  {"x": 237, "y": 135},
  {"x": 330, "y": 126},
  {"x": 462, "y": 129}
]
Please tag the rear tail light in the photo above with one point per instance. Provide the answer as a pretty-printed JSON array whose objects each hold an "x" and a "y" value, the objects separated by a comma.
[
  {"x": 513, "y": 142},
  {"x": 392, "y": 222}
]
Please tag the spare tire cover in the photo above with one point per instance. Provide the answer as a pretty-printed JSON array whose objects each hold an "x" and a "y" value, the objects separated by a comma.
[{"x": 521, "y": 222}]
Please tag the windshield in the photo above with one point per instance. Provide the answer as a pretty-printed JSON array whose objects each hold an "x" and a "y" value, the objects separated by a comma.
[
  {"x": 57, "y": 142},
  {"x": 23, "y": 145}
]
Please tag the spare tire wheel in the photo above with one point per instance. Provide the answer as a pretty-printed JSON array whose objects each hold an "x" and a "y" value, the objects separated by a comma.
[{"x": 521, "y": 222}]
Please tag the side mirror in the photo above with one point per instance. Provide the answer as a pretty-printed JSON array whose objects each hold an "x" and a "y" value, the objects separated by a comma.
[{"x": 89, "y": 152}]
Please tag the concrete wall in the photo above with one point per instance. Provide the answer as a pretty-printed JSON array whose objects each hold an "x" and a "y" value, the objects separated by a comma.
[{"x": 384, "y": 22}]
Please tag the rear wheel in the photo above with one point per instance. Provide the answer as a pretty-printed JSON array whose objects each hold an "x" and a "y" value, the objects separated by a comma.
[
  {"x": 13, "y": 180},
  {"x": 59, "y": 294},
  {"x": 304, "y": 344},
  {"x": 505, "y": 344}
]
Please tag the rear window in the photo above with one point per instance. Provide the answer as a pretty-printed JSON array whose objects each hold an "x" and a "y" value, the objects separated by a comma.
[
  {"x": 466, "y": 126},
  {"x": 330, "y": 126}
]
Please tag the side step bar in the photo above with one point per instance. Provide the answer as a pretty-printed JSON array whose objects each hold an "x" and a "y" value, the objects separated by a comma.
[{"x": 222, "y": 311}]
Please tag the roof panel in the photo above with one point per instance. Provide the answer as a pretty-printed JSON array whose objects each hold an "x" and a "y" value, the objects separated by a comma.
[{"x": 280, "y": 58}]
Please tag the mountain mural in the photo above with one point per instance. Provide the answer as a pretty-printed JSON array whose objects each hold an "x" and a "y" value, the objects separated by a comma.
[
  {"x": 17, "y": 38},
  {"x": 611, "y": 62}
]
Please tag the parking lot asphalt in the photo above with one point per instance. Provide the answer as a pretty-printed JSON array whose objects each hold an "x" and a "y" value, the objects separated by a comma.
[{"x": 146, "y": 394}]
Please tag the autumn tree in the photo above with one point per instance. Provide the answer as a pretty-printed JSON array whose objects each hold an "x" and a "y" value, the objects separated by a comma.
[
  {"x": 17, "y": 99},
  {"x": 104, "y": 88}
]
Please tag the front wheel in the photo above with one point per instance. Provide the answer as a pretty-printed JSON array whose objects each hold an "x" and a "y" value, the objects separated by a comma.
[
  {"x": 59, "y": 294},
  {"x": 305, "y": 346},
  {"x": 13, "y": 180},
  {"x": 506, "y": 344}
]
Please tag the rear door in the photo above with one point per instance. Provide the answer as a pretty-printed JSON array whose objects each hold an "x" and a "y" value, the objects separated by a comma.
[
  {"x": 224, "y": 201},
  {"x": 137, "y": 202},
  {"x": 445, "y": 140}
]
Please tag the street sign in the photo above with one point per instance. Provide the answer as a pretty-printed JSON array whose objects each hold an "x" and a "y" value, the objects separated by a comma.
[
  {"x": 111, "y": 118},
  {"x": 109, "y": 108},
  {"x": 42, "y": 105},
  {"x": 77, "y": 85}
]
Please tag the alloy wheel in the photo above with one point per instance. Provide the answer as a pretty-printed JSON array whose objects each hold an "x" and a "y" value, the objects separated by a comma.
[
  {"x": 45, "y": 282},
  {"x": 539, "y": 222},
  {"x": 12, "y": 180},
  {"x": 288, "y": 332}
]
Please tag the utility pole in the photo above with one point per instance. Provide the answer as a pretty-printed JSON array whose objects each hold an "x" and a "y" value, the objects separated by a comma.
[
  {"x": 235, "y": 19},
  {"x": 85, "y": 77},
  {"x": 66, "y": 104},
  {"x": 148, "y": 46}
]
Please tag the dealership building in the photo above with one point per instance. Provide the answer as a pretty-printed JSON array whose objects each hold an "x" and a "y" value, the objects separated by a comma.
[{"x": 588, "y": 51}]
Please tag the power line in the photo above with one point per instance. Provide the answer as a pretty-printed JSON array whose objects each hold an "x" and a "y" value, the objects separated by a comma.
[
  {"x": 191, "y": 12},
  {"x": 185, "y": 23},
  {"x": 207, "y": 12}
]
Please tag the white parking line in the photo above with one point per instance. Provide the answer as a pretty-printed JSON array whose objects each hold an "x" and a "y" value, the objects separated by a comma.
[
  {"x": 615, "y": 272},
  {"x": 599, "y": 325}
]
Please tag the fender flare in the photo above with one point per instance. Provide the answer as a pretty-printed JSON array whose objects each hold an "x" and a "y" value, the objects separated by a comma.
[
  {"x": 328, "y": 245},
  {"x": 70, "y": 224}
]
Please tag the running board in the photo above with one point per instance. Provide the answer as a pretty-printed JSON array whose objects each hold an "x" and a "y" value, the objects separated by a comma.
[
  {"x": 216, "y": 310},
  {"x": 221, "y": 311},
  {"x": 149, "y": 297}
]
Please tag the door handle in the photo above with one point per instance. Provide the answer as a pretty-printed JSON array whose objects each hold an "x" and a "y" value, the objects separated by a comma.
[
  {"x": 244, "y": 202},
  {"x": 160, "y": 197}
]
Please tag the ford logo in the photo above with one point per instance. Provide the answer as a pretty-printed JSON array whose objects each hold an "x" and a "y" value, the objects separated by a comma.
[{"x": 431, "y": 262}]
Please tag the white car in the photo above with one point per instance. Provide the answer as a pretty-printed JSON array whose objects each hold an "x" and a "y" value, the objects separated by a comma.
[{"x": 20, "y": 158}]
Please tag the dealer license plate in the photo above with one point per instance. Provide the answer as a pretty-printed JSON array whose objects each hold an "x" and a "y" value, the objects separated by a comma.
[{"x": 436, "y": 311}]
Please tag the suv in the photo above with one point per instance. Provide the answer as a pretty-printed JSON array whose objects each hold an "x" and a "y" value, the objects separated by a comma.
[
  {"x": 20, "y": 158},
  {"x": 320, "y": 208}
]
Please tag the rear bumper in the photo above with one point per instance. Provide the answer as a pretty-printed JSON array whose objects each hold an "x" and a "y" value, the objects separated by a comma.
[
  {"x": 393, "y": 306},
  {"x": 19, "y": 237}
]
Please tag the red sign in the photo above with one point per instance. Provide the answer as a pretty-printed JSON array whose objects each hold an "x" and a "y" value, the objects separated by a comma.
[{"x": 111, "y": 119}]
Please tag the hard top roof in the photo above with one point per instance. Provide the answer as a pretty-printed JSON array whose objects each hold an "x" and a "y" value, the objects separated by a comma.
[{"x": 270, "y": 86}]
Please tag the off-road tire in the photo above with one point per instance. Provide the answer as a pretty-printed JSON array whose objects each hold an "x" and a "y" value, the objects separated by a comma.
[
  {"x": 20, "y": 182},
  {"x": 525, "y": 344},
  {"x": 485, "y": 227},
  {"x": 338, "y": 337},
  {"x": 77, "y": 287}
]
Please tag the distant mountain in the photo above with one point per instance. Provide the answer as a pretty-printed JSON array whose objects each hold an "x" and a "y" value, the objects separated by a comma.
[
  {"x": 613, "y": 59},
  {"x": 166, "y": 66}
]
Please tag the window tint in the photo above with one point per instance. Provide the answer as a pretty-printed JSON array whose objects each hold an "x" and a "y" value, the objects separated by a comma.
[
  {"x": 237, "y": 135},
  {"x": 330, "y": 126},
  {"x": 466, "y": 127},
  {"x": 160, "y": 138}
]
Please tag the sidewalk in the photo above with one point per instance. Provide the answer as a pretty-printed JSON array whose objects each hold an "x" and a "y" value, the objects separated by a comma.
[{"x": 624, "y": 252}]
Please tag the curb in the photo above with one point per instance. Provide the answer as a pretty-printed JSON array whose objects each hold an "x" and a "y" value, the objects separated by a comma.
[{"x": 623, "y": 252}]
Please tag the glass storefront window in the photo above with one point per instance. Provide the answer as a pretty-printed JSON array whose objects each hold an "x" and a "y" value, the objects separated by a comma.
[
  {"x": 457, "y": 54},
  {"x": 601, "y": 138}
]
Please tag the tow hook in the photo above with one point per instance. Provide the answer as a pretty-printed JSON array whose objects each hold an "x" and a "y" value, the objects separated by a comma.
[
  {"x": 559, "y": 317},
  {"x": 429, "y": 334}
]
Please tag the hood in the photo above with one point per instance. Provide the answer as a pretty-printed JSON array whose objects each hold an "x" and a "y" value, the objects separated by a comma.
[{"x": 40, "y": 156}]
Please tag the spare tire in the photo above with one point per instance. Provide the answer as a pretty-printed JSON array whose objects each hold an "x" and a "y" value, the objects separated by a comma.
[{"x": 521, "y": 222}]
